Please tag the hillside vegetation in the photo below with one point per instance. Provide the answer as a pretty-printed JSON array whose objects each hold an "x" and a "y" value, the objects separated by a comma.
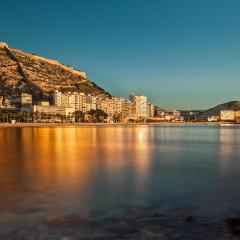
[{"x": 20, "y": 71}]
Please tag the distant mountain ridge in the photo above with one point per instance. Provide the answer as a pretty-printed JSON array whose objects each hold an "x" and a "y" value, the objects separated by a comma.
[
  {"x": 40, "y": 76},
  {"x": 233, "y": 105}
]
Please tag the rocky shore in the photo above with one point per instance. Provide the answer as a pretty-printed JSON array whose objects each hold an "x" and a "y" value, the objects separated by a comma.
[{"x": 136, "y": 223}]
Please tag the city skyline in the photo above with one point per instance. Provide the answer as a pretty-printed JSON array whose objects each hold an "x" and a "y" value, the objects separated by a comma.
[{"x": 182, "y": 55}]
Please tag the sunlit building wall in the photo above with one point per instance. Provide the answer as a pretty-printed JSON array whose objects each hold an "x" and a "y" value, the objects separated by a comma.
[
  {"x": 150, "y": 109},
  {"x": 140, "y": 102},
  {"x": 26, "y": 99},
  {"x": 57, "y": 98},
  {"x": 227, "y": 115}
]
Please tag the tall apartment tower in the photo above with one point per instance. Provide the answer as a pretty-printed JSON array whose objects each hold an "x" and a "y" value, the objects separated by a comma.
[
  {"x": 140, "y": 104},
  {"x": 57, "y": 98}
]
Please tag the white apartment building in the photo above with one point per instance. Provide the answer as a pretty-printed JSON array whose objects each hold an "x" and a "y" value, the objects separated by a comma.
[
  {"x": 57, "y": 98},
  {"x": 140, "y": 104},
  {"x": 71, "y": 100},
  {"x": 117, "y": 104},
  {"x": 227, "y": 115},
  {"x": 94, "y": 103}
]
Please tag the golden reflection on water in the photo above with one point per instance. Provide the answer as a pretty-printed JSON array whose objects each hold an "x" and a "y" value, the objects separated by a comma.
[
  {"x": 70, "y": 159},
  {"x": 73, "y": 165}
]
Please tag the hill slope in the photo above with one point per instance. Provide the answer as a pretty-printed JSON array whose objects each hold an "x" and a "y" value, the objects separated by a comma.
[
  {"x": 234, "y": 105},
  {"x": 40, "y": 76}
]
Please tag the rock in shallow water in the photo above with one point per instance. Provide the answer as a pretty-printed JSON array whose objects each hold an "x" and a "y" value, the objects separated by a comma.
[
  {"x": 189, "y": 219},
  {"x": 234, "y": 224}
]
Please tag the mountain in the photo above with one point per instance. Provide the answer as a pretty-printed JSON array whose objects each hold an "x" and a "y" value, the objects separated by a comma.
[
  {"x": 39, "y": 76},
  {"x": 234, "y": 105}
]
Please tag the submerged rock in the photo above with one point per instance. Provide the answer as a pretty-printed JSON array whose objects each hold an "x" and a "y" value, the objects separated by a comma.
[
  {"x": 234, "y": 224},
  {"x": 189, "y": 219}
]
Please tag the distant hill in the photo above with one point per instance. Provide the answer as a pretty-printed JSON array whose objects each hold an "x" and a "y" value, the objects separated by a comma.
[
  {"x": 234, "y": 105},
  {"x": 40, "y": 76}
]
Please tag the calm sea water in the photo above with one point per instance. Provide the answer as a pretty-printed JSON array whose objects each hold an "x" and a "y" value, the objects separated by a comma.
[{"x": 103, "y": 182}]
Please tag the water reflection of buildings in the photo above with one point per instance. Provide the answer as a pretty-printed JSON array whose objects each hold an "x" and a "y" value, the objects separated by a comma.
[
  {"x": 229, "y": 140},
  {"x": 76, "y": 165}
]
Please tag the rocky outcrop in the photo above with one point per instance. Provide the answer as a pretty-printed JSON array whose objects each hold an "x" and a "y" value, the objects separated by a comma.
[{"x": 40, "y": 76}]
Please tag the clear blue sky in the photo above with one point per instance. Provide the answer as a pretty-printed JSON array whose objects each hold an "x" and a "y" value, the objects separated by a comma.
[{"x": 180, "y": 53}]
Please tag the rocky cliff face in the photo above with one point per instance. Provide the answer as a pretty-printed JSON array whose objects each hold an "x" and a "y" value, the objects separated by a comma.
[{"x": 20, "y": 71}]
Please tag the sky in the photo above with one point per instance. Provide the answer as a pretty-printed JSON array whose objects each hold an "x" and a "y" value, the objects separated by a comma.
[{"x": 182, "y": 54}]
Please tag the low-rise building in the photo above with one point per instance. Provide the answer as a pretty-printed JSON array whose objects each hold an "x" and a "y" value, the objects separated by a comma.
[
  {"x": 215, "y": 118},
  {"x": 7, "y": 103},
  {"x": 176, "y": 114},
  {"x": 159, "y": 112},
  {"x": 237, "y": 116},
  {"x": 227, "y": 115},
  {"x": 26, "y": 99},
  {"x": 44, "y": 103}
]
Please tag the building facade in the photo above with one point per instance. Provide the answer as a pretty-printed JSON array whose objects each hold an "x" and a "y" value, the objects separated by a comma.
[
  {"x": 140, "y": 105},
  {"x": 227, "y": 115},
  {"x": 26, "y": 99}
]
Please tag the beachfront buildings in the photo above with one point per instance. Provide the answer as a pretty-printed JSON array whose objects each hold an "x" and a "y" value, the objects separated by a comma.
[
  {"x": 139, "y": 102},
  {"x": 227, "y": 115},
  {"x": 70, "y": 104},
  {"x": 117, "y": 109}
]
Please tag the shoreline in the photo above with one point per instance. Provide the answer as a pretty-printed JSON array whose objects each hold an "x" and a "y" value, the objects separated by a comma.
[{"x": 24, "y": 125}]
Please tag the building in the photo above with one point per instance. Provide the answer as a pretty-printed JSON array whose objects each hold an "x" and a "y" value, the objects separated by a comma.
[
  {"x": 117, "y": 105},
  {"x": 214, "y": 118},
  {"x": 80, "y": 102},
  {"x": 44, "y": 103},
  {"x": 71, "y": 100},
  {"x": 140, "y": 105},
  {"x": 227, "y": 115},
  {"x": 237, "y": 116},
  {"x": 150, "y": 110},
  {"x": 64, "y": 100},
  {"x": 57, "y": 98},
  {"x": 7, "y": 103},
  {"x": 103, "y": 104},
  {"x": 3, "y": 45},
  {"x": 50, "y": 109},
  {"x": 159, "y": 112},
  {"x": 126, "y": 109},
  {"x": 176, "y": 114},
  {"x": 1, "y": 101},
  {"x": 26, "y": 99},
  {"x": 109, "y": 107}
]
